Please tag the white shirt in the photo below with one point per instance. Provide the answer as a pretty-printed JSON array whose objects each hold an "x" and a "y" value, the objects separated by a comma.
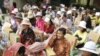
[
  {"x": 69, "y": 23},
  {"x": 51, "y": 13},
  {"x": 57, "y": 21},
  {"x": 97, "y": 29}
]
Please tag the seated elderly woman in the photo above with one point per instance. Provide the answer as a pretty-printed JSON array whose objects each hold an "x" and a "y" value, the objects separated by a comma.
[
  {"x": 89, "y": 49},
  {"x": 81, "y": 34}
]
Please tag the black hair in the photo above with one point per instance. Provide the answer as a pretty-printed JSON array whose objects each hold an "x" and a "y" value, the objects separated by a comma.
[
  {"x": 74, "y": 14},
  {"x": 84, "y": 30},
  {"x": 83, "y": 17},
  {"x": 65, "y": 15},
  {"x": 51, "y": 23},
  {"x": 28, "y": 35},
  {"x": 43, "y": 12},
  {"x": 63, "y": 30},
  {"x": 33, "y": 21},
  {"x": 14, "y": 5},
  {"x": 21, "y": 51}
]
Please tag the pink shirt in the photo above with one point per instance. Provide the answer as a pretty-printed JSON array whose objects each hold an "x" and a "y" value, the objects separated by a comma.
[
  {"x": 13, "y": 50},
  {"x": 40, "y": 24}
]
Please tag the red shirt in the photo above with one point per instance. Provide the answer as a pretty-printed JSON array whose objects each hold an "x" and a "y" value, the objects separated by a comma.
[{"x": 49, "y": 29}]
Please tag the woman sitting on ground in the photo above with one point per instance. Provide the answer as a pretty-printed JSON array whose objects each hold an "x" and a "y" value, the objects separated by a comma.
[{"x": 81, "y": 34}]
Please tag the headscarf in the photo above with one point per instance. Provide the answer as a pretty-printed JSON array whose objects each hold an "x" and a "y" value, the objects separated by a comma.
[{"x": 13, "y": 50}]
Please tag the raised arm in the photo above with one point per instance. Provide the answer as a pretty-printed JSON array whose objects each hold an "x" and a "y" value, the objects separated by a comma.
[{"x": 51, "y": 38}]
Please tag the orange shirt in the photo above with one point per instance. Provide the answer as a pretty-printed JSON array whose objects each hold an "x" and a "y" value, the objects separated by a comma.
[{"x": 61, "y": 47}]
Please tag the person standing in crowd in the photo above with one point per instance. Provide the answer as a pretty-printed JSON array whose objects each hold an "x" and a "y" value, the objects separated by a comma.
[
  {"x": 59, "y": 44},
  {"x": 81, "y": 34},
  {"x": 27, "y": 35},
  {"x": 89, "y": 49}
]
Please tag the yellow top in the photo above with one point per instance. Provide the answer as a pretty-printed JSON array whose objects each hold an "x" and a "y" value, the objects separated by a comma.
[
  {"x": 97, "y": 20},
  {"x": 81, "y": 35},
  {"x": 93, "y": 17},
  {"x": 50, "y": 51}
]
